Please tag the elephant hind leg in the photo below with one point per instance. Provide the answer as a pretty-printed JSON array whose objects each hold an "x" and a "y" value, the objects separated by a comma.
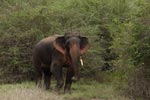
[
  {"x": 38, "y": 77},
  {"x": 47, "y": 77}
]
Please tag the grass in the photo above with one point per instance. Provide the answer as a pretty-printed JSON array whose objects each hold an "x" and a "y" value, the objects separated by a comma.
[
  {"x": 83, "y": 90},
  {"x": 26, "y": 91}
]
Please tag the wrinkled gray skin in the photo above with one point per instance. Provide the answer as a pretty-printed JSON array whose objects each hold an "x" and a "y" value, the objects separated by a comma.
[{"x": 53, "y": 53}]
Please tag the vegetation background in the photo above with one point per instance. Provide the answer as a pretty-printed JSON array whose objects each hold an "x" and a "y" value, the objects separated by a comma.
[{"x": 118, "y": 31}]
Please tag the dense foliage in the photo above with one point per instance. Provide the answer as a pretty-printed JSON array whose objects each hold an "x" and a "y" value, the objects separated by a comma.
[{"x": 118, "y": 31}]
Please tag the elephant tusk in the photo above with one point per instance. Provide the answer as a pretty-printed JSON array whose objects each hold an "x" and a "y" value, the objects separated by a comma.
[{"x": 81, "y": 61}]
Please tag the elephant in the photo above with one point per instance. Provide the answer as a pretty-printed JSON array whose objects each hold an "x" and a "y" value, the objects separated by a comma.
[{"x": 53, "y": 53}]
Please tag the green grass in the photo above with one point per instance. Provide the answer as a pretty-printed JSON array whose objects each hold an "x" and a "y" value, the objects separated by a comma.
[
  {"x": 93, "y": 90},
  {"x": 83, "y": 90}
]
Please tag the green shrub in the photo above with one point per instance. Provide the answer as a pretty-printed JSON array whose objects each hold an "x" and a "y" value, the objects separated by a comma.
[{"x": 117, "y": 30}]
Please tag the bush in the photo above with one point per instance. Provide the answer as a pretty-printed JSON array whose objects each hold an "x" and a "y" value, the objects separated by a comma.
[{"x": 118, "y": 31}]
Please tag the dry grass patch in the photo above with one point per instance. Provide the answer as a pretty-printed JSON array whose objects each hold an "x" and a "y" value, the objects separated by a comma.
[
  {"x": 82, "y": 90},
  {"x": 26, "y": 92}
]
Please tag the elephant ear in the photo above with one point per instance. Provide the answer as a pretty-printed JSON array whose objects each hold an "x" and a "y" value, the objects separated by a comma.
[
  {"x": 59, "y": 44},
  {"x": 84, "y": 44}
]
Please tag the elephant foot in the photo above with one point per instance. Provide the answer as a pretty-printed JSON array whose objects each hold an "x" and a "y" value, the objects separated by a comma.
[
  {"x": 59, "y": 86},
  {"x": 68, "y": 91},
  {"x": 47, "y": 88},
  {"x": 58, "y": 89}
]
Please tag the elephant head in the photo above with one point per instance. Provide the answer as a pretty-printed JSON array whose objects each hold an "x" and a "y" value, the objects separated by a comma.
[{"x": 72, "y": 45}]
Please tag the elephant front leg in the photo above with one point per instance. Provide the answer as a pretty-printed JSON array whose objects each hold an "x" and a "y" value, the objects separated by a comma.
[
  {"x": 68, "y": 82},
  {"x": 58, "y": 74}
]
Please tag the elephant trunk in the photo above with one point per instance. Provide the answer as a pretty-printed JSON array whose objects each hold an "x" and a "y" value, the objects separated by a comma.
[{"x": 75, "y": 54}]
